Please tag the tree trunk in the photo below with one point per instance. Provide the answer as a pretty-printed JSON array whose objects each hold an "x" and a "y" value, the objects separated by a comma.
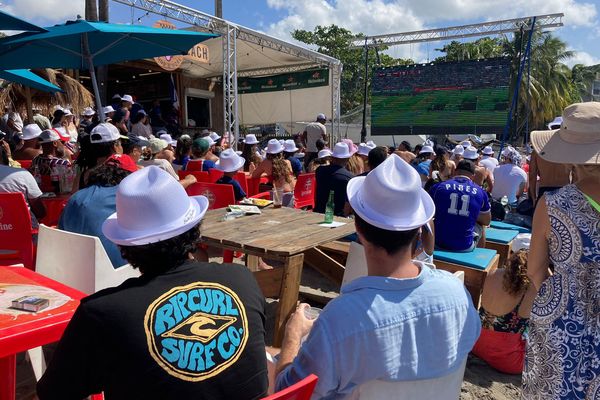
[
  {"x": 103, "y": 10},
  {"x": 91, "y": 11},
  {"x": 103, "y": 69}
]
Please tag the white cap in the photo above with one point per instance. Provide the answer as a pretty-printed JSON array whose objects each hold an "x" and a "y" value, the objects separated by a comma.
[
  {"x": 341, "y": 150},
  {"x": 274, "y": 147},
  {"x": 210, "y": 140},
  {"x": 458, "y": 150},
  {"x": 143, "y": 216},
  {"x": 230, "y": 161},
  {"x": 488, "y": 151},
  {"x": 250, "y": 139},
  {"x": 104, "y": 133},
  {"x": 167, "y": 138},
  {"x": 289, "y": 146},
  {"x": 214, "y": 136},
  {"x": 107, "y": 109},
  {"x": 48, "y": 136},
  {"x": 324, "y": 153},
  {"x": 321, "y": 117},
  {"x": 128, "y": 98},
  {"x": 375, "y": 197},
  {"x": 31, "y": 131},
  {"x": 157, "y": 145},
  {"x": 426, "y": 149},
  {"x": 470, "y": 153},
  {"x": 88, "y": 112}
]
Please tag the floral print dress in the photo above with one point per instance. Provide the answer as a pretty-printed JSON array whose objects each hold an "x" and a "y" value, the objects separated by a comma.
[{"x": 563, "y": 349}]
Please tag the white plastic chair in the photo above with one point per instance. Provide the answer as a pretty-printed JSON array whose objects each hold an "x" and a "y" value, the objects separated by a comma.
[
  {"x": 78, "y": 261},
  {"x": 443, "y": 388}
]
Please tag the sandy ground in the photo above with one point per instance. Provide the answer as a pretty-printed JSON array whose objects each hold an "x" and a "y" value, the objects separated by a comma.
[{"x": 480, "y": 382}]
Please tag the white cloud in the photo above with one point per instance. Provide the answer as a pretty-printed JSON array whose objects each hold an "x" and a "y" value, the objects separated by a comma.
[
  {"x": 582, "y": 57},
  {"x": 46, "y": 12}
]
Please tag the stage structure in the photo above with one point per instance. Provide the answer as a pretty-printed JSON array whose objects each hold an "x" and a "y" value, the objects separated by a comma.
[
  {"x": 459, "y": 32},
  {"x": 238, "y": 45}
]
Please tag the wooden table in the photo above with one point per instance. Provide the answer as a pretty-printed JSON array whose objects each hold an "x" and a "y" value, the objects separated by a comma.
[
  {"x": 26, "y": 331},
  {"x": 284, "y": 234}
]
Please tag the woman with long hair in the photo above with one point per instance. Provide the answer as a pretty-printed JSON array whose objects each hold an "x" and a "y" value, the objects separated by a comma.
[
  {"x": 441, "y": 168},
  {"x": 278, "y": 170},
  {"x": 251, "y": 156},
  {"x": 183, "y": 151}
]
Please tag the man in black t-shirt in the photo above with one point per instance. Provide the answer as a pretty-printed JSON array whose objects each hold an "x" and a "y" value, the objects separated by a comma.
[
  {"x": 334, "y": 177},
  {"x": 183, "y": 330}
]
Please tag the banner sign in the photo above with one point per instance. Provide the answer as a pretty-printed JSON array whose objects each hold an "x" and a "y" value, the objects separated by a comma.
[
  {"x": 198, "y": 53},
  {"x": 290, "y": 81}
]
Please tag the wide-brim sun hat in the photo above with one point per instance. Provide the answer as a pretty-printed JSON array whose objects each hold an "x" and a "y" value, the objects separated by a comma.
[
  {"x": 143, "y": 216},
  {"x": 577, "y": 141},
  {"x": 274, "y": 147},
  {"x": 230, "y": 161},
  {"x": 375, "y": 197},
  {"x": 341, "y": 150},
  {"x": 250, "y": 139}
]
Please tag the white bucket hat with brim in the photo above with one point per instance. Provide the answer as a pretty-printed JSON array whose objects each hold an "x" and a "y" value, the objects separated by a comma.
[
  {"x": 230, "y": 161},
  {"x": 458, "y": 150},
  {"x": 375, "y": 197},
  {"x": 214, "y": 136},
  {"x": 487, "y": 151},
  {"x": 324, "y": 153},
  {"x": 250, "y": 139},
  {"x": 341, "y": 150},
  {"x": 364, "y": 149},
  {"x": 577, "y": 141},
  {"x": 426, "y": 149},
  {"x": 167, "y": 138},
  {"x": 289, "y": 146},
  {"x": 31, "y": 131},
  {"x": 144, "y": 217},
  {"x": 470, "y": 153},
  {"x": 274, "y": 147}
]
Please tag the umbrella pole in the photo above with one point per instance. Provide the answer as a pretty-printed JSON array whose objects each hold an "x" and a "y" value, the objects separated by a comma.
[{"x": 90, "y": 62}]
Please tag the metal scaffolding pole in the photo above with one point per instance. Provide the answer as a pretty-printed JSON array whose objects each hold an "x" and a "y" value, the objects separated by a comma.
[{"x": 230, "y": 110}]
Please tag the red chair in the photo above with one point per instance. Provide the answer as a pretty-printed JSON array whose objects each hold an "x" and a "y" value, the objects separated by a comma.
[
  {"x": 215, "y": 175},
  {"x": 304, "y": 192},
  {"x": 253, "y": 184},
  {"x": 24, "y": 163},
  {"x": 194, "y": 165},
  {"x": 15, "y": 231},
  {"x": 201, "y": 176},
  {"x": 300, "y": 391},
  {"x": 240, "y": 177}
]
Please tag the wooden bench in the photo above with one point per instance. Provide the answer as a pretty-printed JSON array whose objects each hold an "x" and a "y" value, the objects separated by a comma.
[
  {"x": 475, "y": 264},
  {"x": 501, "y": 241}
]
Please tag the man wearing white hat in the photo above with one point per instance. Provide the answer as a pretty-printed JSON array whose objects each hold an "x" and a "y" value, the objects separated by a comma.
[
  {"x": 509, "y": 178},
  {"x": 182, "y": 330},
  {"x": 86, "y": 118},
  {"x": 28, "y": 147},
  {"x": 483, "y": 177},
  {"x": 40, "y": 119},
  {"x": 402, "y": 315},
  {"x": 487, "y": 159},
  {"x": 313, "y": 132},
  {"x": 334, "y": 177},
  {"x": 51, "y": 158},
  {"x": 230, "y": 163},
  {"x": 157, "y": 147},
  {"x": 289, "y": 151},
  {"x": 127, "y": 101}
]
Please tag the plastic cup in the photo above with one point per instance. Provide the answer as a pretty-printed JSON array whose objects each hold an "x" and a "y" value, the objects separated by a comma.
[
  {"x": 312, "y": 312},
  {"x": 277, "y": 198}
]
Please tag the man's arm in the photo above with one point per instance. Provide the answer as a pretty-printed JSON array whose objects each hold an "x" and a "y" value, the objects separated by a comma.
[
  {"x": 296, "y": 328},
  {"x": 489, "y": 179},
  {"x": 484, "y": 218}
]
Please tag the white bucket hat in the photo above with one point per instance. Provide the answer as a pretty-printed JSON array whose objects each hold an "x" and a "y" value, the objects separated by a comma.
[
  {"x": 128, "y": 98},
  {"x": 426, "y": 149},
  {"x": 274, "y": 147},
  {"x": 289, "y": 146},
  {"x": 31, "y": 131},
  {"x": 107, "y": 109},
  {"x": 458, "y": 150},
  {"x": 375, "y": 197},
  {"x": 341, "y": 150},
  {"x": 577, "y": 141},
  {"x": 230, "y": 161},
  {"x": 210, "y": 141},
  {"x": 470, "y": 153},
  {"x": 88, "y": 112},
  {"x": 487, "y": 151},
  {"x": 324, "y": 153},
  {"x": 144, "y": 217},
  {"x": 250, "y": 139},
  {"x": 167, "y": 138},
  {"x": 214, "y": 136}
]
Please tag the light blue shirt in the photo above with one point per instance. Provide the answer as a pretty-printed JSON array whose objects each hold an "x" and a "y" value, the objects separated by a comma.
[{"x": 387, "y": 329}]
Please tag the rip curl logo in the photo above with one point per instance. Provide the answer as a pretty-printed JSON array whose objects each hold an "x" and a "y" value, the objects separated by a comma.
[{"x": 195, "y": 332}]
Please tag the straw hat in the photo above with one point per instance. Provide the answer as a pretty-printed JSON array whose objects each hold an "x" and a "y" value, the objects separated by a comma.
[
  {"x": 577, "y": 141},
  {"x": 144, "y": 217},
  {"x": 375, "y": 197},
  {"x": 274, "y": 147},
  {"x": 230, "y": 161}
]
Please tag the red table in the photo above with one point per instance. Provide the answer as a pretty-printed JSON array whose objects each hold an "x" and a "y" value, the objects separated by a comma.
[
  {"x": 26, "y": 331},
  {"x": 54, "y": 207}
]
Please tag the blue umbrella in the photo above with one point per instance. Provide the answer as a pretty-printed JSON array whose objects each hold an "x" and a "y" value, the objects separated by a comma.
[
  {"x": 28, "y": 78},
  {"x": 82, "y": 44},
  {"x": 10, "y": 23}
]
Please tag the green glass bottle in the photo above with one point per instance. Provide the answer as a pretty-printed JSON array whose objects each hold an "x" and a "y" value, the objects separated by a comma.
[{"x": 329, "y": 207}]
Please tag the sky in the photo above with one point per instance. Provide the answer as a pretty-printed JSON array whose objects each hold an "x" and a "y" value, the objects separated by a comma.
[{"x": 279, "y": 17}]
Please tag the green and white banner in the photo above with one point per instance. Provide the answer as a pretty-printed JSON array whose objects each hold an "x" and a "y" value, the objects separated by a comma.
[{"x": 290, "y": 81}]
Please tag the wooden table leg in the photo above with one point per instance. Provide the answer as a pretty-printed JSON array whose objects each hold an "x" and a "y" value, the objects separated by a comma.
[
  {"x": 288, "y": 295},
  {"x": 8, "y": 377}
]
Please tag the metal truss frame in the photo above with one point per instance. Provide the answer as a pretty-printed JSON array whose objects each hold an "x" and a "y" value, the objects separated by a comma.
[
  {"x": 461, "y": 31},
  {"x": 230, "y": 32}
]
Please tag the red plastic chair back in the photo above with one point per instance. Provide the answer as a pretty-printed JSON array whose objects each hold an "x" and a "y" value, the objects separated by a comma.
[
  {"x": 300, "y": 391},
  {"x": 253, "y": 184},
  {"x": 194, "y": 165},
  {"x": 240, "y": 177},
  {"x": 24, "y": 163},
  {"x": 215, "y": 175},
  {"x": 15, "y": 231},
  {"x": 201, "y": 176},
  {"x": 219, "y": 196},
  {"x": 304, "y": 192}
]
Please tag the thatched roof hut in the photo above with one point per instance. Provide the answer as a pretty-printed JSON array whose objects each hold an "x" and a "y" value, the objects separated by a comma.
[{"x": 74, "y": 94}]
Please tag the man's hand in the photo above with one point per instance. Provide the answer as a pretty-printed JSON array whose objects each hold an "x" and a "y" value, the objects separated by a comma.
[
  {"x": 251, "y": 167},
  {"x": 188, "y": 180},
  {"x": 298, "y": 325}
]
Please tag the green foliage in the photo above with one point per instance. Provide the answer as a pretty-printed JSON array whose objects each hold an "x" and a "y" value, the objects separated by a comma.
[{"x": 335, "y": 41}]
